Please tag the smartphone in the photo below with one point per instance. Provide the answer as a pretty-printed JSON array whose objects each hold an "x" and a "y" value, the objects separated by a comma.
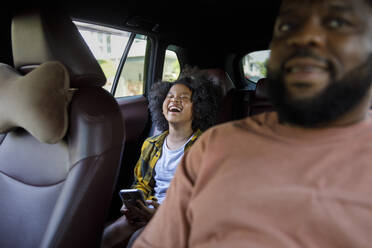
[{"x": 129, "y": 197}]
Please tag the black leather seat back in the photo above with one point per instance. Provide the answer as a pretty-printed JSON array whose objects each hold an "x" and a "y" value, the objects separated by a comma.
[
  {"x": 259, "y": 101},
  {"x": 58, "y": 195}
]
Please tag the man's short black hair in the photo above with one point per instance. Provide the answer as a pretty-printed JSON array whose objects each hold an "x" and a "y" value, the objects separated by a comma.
[{"x": 205, "y": 98}]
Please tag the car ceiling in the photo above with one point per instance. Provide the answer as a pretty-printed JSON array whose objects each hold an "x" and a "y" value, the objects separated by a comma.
[
  {"x": 226, "y": 26},
  {"x": 237, "y": 26}
]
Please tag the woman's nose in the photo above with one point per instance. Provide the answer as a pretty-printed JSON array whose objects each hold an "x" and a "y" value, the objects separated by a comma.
[{"x": 176, "y": 99}]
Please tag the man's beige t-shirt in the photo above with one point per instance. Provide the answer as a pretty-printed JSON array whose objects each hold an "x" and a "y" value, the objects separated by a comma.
[{"x": 258, "y": 183}]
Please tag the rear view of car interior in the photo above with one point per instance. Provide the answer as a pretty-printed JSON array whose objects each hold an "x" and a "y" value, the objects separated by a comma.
[{"x": 60, "y": 190}]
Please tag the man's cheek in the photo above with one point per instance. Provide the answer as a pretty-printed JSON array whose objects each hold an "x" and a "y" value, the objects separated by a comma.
[
  {"x": 272, "y": 68},
  {"x": 272, "y": 63}
]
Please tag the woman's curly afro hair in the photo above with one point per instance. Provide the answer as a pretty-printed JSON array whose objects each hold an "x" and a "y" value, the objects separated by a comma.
[{"x": 205, "y": 98}]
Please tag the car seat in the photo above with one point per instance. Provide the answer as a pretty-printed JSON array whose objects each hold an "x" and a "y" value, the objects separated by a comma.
[{"x": 57, "y": 195}]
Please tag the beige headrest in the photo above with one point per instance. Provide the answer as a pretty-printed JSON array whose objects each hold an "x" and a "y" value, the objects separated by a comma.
[
  {"x": 41, "y": 36},
  {"x": 36, "y": 102}
]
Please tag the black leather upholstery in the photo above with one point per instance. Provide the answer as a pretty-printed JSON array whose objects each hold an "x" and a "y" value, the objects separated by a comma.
[
  {"x": 222, "y": 80},
  {"x": 58, "y": 195},
  {"x": 259, "y": 102},
  {"x": 243, "y": 103}
]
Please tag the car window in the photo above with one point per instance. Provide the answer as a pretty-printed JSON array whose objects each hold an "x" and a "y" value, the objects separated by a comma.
[
  {"x": 131, "y": 79},
  {"x": 171, "y": 69},
  {"x": 107, "y": 45},
  {"x": 254, "y": 65}
]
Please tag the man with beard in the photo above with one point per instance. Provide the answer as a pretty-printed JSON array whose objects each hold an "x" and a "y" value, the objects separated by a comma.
[{"x": 298, "y": 177}]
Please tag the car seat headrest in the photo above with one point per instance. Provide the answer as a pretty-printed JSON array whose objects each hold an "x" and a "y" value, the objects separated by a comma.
[
  {"x": 261, "y": 89},
  {"x": 220, "y": 78},
  {"x": 36, "y": 102},
  {"x": 41, "y": 36}
]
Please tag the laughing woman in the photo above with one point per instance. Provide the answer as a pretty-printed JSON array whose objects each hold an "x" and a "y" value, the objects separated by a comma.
[{"x": 181, "y": 110}]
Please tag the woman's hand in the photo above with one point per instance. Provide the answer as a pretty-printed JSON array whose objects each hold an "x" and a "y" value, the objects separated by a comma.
[
  {"x": 155, "y": 204},
  {"x": 144, "y": 211},
  {"x": 132, "y": 217},
  {"x": 140, "y": 214}
]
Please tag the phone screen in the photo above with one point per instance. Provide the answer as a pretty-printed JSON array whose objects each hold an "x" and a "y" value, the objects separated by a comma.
[{"x": 130, "y": 197}]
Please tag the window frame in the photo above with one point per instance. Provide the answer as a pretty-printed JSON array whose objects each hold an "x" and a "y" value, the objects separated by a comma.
[
  {"x": 171, "y": 49},
  {"x": 123, "y": 59},
  {"x": 150, "y": 60},
  {"x": 248, "y": 84},
  {"x": 148, "y": 64}
]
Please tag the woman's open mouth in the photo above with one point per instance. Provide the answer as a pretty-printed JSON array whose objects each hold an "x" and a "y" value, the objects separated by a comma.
[{"x": 174, "y": 109}]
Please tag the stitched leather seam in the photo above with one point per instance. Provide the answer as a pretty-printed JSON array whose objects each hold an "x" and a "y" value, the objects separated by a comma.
[
  {"x": 29, "y": 184},
  {"x": 3, "y": 138},
  {"x": 121, "y": 146},
  {"x": 59, "y": 182}
]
